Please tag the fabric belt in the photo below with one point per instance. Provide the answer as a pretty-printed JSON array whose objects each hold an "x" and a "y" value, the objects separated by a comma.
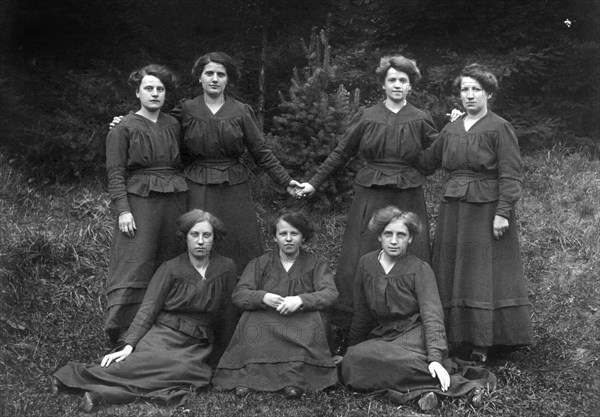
[{"x": 199, "y": 327}]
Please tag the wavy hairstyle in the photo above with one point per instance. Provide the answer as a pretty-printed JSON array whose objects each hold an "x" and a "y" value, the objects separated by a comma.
[
  {"x": 399, "y": 63},
  {"x": 480, "y": 73},
  {"x": 384, "y": 216},
  {"x": 163, "y": 73}
]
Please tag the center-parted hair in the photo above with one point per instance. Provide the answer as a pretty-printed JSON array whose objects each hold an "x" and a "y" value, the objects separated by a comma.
[
  {"x": 382, "y": 217},
  {"x": 163, "y": 73},
  {"x": 233, "y": 71},
  {"x": 399, "y": 63},
  {"x": 296, "y": 219},
  {"x": 186, "y": 221}
]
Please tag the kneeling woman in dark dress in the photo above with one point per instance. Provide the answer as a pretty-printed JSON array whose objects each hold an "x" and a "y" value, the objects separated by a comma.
[
  {"x": 397, "y": 338},
  {"x": 186, "y": 311},
  {"x": 280, "y": 341}
]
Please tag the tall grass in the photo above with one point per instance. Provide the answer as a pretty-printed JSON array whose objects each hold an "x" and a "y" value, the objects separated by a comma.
[{"x": 54, "y": 243}]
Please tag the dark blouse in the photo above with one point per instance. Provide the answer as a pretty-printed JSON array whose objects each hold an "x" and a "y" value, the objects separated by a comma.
[
  {"x": 395, "y": 303},
  {"x": 484, "y": 163},
  {"x": 389, "y": 142},
  {"x": 142, "y": 156},
  {"x": 310, "y": 278},
  {"x": 217, "y": 142},
  {"x": 180, "y": 298}
]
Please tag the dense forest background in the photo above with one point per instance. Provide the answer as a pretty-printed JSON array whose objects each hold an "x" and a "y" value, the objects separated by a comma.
[{"x": 65, "y": 63}]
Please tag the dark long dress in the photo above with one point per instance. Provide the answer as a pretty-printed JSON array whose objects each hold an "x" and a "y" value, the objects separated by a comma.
[
  {"x": 217, "y": 178},
  {"x": 142, "y": 158},
  {"x": 390, "y": 143},
  {"x": 480, "y": 278},
  {"x": 268, "y": 351},
  {"x": 181, "y": 318},
  {"x": 397, "y": 330}
]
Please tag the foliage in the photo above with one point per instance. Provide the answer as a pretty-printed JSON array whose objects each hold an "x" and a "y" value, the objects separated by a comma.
[{"x": 312, "y": 120}]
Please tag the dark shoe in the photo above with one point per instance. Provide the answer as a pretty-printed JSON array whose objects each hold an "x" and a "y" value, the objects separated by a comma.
[
  {"x": 292, "y": 393},
  {"x": 241, "y": 392},
  {"x": 476, "y": 397},
  {"x": 55, "y": 385},
  {"x": 89, "y": 401},
  {"x": 428, "y": 402},
  {"x": 478, "y": 359}
]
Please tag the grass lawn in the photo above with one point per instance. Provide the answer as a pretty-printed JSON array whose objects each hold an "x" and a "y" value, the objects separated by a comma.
[{"x": 54, "y": 243}]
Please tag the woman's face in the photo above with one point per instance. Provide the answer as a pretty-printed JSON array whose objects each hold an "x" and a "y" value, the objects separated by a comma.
[
  {"x": 214, "y": 79},
  {"x": 200, "y": 240},
  {"x": 151, "y": 93},
  {"x": 396, "y": 85},
  {"x": 395, "y": 238},
  {"x": 473, "y": 96},
  {"x": 288, "y": 238}
]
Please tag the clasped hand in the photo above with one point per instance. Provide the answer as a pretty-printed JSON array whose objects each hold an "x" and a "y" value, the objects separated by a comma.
[
  {"x": 283, "y": 305},
  {"x": 119, "y": 356}
]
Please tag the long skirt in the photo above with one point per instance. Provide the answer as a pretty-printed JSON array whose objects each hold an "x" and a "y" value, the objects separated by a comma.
[
  {"x": 133, "y": 261},
  {"x": 358, "y": 240},
  {"x": 163, "y": 367},
  {"x": 234, "y": 206},
  {"x": 480, "y": 278},
  {"x": 269, "y": 352},
  {"x": 398, "y": 368}
]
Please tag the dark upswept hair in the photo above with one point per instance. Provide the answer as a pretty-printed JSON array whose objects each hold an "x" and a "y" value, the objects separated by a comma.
[
  {"x": 233, "y": 71},
  {"x": 186, "y": 221},
  {"x": 163, "y": 73},
  {"x": 399, "y": 63},
  {"x": 297, "y": 219},
  {"x": 384, "y": 216},
  {"x": 480, "y": 73}
]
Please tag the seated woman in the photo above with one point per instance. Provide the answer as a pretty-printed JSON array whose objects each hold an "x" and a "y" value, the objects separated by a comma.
[
  {"x": 397, "y": 337},
  {"x": 187, "y": 308},
  {"x": 280, "y": 341}
]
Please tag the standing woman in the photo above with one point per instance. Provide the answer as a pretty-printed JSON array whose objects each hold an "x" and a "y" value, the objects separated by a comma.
[
  {"x": 149, "y": 194},
  {"x": 389, "y": 135},
  {"x": 476, "y": 256},
  {"x": 217, "y": 131},
  {"x": 280, "y": 342},
  {"x": 186, "y": 312}
]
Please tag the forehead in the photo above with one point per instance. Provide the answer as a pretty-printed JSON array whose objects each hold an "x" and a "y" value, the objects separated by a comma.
[
  {"x": 215, "y": 67},
  {"x": 469, "y": 82},
  {"x": 282, "y": 226},
  {"x": 151, "y": 80},
  {"x": 396, "y": 226},
  {"x": 394, "y": 73},
  {"x": 201, "y": 227}
]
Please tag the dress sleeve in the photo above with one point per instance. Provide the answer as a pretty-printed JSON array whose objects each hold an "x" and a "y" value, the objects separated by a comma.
[
  {"x": 363, "y": 320},
  {"x": 257, "y": 146},
  {"x": 429, "y": 132},
  {"x": 325, "y": 294},
  {"x": 432, "y": 314},
  {"x": 117, "y": 144},
  {"x": 509, "y": 170},
  {"x": 347, "y": 148},
  {"x": 247, "y": 294},
  {"x": 430, "y": 159},
  {"x": 227, "y": 317},
  {"x": 154, "y": 299}
]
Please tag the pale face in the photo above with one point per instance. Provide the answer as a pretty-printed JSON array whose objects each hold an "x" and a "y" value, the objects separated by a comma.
[
  {"x": 396, "y": 85},
  {"x": 214, "y": 79},
  {"x": 288, "y": 238},
  {"x": 395, "y": 238},
  {"x": 151, "y": 93},
  {"x": 473, "y": 96},
  {"x": 200, "y": 240}
]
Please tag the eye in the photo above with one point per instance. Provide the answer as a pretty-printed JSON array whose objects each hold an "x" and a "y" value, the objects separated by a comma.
[
  {"x": 160, "y": 89},
  {"x": 207, "y": 235}
]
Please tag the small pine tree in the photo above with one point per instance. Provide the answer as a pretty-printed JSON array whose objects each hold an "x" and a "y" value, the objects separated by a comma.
[{"x": 312, "y": 121}]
